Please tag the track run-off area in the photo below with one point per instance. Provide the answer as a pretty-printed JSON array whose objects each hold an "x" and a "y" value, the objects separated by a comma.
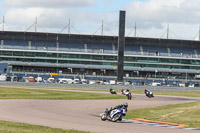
[{"x": 84, "y": 115}]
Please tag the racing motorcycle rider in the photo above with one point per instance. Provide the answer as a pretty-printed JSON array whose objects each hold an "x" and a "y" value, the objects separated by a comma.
[
  {"x": 125, "y": 105},
  {"x": 125, "y": 91},
  {"x": 112, "y": 91},
  {"x": 147, "y": 92}
]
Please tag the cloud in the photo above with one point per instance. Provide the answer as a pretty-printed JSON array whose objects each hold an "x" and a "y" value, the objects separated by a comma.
[
  {"x": 153, "y": 13},
  {"x": 108, "y": 2},
  {"x": 51, "y": 14},
  {"x": 48, "y": 3},
  {"x": 21, "y": 14},
  {"x": 54, "y": 20},
  {"x": 87, "y": 15},
  {"x": 46, "y": 17}
]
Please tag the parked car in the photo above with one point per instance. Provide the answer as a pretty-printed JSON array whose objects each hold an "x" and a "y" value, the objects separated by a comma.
[
  {"x": 77, "y": 81},
  {"x": 63, "y": 81},
  {"x": 84, "y": 81},
  {"x": 155, "y": 84}
]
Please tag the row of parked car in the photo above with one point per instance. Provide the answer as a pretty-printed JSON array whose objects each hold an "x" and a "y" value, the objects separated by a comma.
[
  {"x": 100, "y": 82},
  {"x": 177, "y": 84},
  {"x": 84, "y": 81},
  {"x": 73, "y": 81}
]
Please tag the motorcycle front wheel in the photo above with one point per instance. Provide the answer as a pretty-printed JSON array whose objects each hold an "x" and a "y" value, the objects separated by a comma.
[
  {"x": 116, "y": 117},
  {"x": 103, "y": 117}
]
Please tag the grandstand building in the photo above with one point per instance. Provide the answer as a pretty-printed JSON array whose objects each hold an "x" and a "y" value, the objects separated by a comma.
[{"x": 34, "y": 52}]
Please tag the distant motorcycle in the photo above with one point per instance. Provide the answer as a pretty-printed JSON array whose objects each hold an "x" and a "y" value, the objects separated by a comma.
[
  {"x": 115, "y": 115},
  {"x": 149, "y": 94},
  {"x": 129, "y": 96},
  {"x": 127, "y": 93},
  {"x": 112, "y": 91}
]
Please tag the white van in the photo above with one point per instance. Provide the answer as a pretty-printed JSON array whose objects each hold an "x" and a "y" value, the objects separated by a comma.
[
  {"x": 39, "y": 79},
  {"x": 112, "y": 82},
  {"x": 181, "y": 84},
  {"x": 91, "y": 82},
  {"x": 155, "y": 84},
  {"x": 3, "y": 77}
]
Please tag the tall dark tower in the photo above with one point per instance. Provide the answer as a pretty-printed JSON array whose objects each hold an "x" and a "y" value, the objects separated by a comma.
[{"x": 121, "y": 44}]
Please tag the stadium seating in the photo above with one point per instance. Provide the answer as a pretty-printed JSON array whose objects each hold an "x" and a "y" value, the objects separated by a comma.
[
  {"x": 43, "y": 45},
  {"x": 130, "y": 49},
  {"x": 71, "y": 47},
  {"x": 182, "y": 52},
  {"x": 15, "y": 44},
  {"x": 99, "y": 48},
  {"x": 154, "y": 51}
]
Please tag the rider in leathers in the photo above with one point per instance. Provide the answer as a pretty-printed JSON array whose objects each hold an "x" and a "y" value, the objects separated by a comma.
[
  {"x": 146, "y": 91},
  {"x": 125, "y": 105}
]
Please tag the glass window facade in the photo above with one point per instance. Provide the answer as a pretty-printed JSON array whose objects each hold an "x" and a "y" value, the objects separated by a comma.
[{"x": 99, "y": 59}]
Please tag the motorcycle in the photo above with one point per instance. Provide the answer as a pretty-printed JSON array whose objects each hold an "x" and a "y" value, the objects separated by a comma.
[
  {"x": 112, "y": 91},
  {"x": 127, "y": 93},
  {"x": 115, "y": 115},
  {"x": 129, "y": 96},
  {"x": 149, "y": 94}
]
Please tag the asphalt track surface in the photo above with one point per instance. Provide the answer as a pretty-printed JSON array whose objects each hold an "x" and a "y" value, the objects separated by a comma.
[{"x": 84, "y": 114}]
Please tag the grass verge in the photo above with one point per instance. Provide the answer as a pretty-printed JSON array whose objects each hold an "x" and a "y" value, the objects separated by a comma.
[
  {"x": 13, "y": 127},
  {"x": 21, "y": 93},
  {"x": 172, "y": 93},
  {"x": 187, "y": 113}
]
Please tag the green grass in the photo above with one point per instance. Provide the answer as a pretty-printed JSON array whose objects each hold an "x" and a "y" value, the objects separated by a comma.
[
  {"x": 187, "y": 113},
  {"x": 22, "y": 93},
  {"x": 38, "y": 87},
  {"x": 12, "y": 127},
  {"x": 169, "y": 93},
  {"x": 172, "y": 93}
]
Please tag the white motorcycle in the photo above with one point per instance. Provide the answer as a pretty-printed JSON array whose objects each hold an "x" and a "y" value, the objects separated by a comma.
[{"x": 127, "y": 93}]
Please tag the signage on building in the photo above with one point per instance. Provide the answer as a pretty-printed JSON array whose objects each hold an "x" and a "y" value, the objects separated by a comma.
[{"x": 53, "y": 73}]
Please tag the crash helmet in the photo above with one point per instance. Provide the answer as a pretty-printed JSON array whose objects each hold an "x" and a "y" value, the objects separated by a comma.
[{"x": 125, "y": 104}]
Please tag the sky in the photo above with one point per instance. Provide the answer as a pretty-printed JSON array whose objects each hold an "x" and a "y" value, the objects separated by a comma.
[{"x": 152, "y": 18}]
